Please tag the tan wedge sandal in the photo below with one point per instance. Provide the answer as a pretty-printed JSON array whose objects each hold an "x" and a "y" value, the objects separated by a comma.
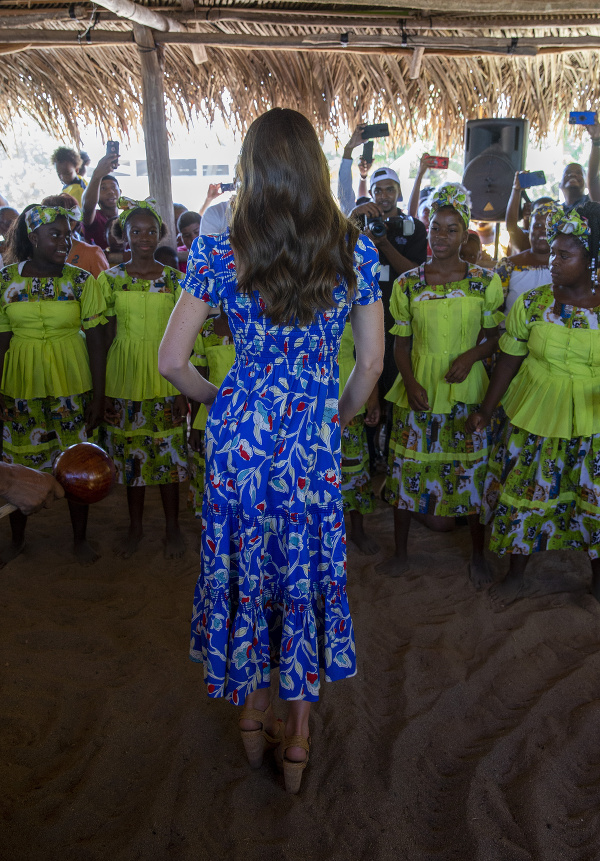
[
  {"x": 292, "y": 771},
  {"x": 256, "y": 741}
]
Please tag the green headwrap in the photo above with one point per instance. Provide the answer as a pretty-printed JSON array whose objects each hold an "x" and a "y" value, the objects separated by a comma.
[
  {"x": 38, "y": 215},
  {"x": 128, "y": 206},
  {"x": 572, "y": 224},
  {"x": 455, "y": 195}
]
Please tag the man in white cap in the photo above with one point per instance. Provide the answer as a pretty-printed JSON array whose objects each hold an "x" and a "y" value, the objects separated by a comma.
[{"x": 398, "y": 250}]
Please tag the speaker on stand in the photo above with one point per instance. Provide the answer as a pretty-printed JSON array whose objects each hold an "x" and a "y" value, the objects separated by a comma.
[{"x": 494, "y": 150}]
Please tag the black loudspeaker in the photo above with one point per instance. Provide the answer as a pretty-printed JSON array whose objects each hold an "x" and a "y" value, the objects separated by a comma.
[{"x": 494, "y": 150}]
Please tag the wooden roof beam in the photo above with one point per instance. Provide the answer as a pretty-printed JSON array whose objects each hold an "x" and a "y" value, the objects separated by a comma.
[
  {"x": 303, "y": 18},
  {"x": 357, "y": 43},
  {"x": 476, "y": 7},
  {"x": 386, "y": 18},
  {"x": 142, "y": 15}
]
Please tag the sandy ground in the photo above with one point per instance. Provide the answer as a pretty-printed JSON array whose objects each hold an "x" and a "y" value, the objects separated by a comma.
[{"x": 467, "y": 734}]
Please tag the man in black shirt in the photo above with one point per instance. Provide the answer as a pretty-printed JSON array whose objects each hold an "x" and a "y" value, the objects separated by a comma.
[{"x": 397, "y": 252}]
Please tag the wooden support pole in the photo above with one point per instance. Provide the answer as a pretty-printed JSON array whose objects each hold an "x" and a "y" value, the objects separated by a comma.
[
  {"x": 415, "y": 63},
  {"x": 155, "y": 126}
]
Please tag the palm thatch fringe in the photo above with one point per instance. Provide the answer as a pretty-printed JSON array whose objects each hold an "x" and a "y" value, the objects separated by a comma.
[{"x": 65, "y": 89}]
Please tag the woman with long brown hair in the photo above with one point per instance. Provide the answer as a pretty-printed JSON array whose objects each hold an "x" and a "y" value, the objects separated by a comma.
[{"x": 272, "y": 587}]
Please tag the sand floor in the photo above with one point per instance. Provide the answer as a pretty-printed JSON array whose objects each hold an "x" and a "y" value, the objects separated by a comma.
[{"x": 467, "y": 734}]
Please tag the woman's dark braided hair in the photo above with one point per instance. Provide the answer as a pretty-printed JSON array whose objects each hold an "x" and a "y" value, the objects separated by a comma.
[{"x": 591, "y": 211}]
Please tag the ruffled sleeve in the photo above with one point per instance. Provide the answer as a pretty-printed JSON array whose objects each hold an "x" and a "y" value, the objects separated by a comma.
[
  {"x": 175, "y": 279},
  {"x": 366, "y": 266},
  {"x": 492, "y": 301},
  {"x": 514, "y": 340},
  {"x": 105, "y": 282},
  {"x": 400, "y": 308},
  {"x": 93, "y": 304},
  {"x": 200, "y": 279}
]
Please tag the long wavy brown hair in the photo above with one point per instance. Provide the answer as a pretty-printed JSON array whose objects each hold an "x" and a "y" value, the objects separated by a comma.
[{"x": 291, "y": 241}]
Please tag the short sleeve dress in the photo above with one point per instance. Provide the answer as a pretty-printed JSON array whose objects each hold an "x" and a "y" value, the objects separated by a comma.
[
  {"x": 434, "y": 465},
  {"x": 543, "y": 483},
  {"x": 46, "y": 380},
  {"x": 147, "y": 449},
  {"x": 272, "y": 585}
]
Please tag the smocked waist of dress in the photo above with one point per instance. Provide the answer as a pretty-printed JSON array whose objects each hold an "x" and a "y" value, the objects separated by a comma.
[{"x": 296, "y": 350}]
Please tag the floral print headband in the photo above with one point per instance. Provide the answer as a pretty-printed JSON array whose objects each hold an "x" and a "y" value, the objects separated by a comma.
[
  {"x": 544, "y": 209},
  {"x": 572, "y": 224},
  {"x": 128, "y": 205},
  {"x": 38, "y": 215},
  {"x": 455, "y": 195}
]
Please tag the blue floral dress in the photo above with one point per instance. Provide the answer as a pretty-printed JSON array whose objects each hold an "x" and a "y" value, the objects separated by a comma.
[{"x": 272, "y": 585}]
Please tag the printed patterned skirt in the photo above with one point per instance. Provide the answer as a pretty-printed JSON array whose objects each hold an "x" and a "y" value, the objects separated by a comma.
[
  {"x": 144, "y": 445},
  {"x": 434, "y": 465},
  {"x": 272, "y": 594},
  {"x": 38, "y": 429},
  {"x": 357, "y": 491},
  {"x": 543, "y": 493}
]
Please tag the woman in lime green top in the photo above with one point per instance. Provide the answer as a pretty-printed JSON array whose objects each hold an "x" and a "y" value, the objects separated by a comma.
[
  {"x": 435, "y": 469},
  {"x": 213, "y": 356},
  {"x": 145, "y": 416},
  {"x": 52, "y": 377},
  {"x": 543, "y": 482}
]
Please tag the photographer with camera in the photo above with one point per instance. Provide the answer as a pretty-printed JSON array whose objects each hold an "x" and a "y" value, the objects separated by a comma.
[{"x": 402, "y": 245}]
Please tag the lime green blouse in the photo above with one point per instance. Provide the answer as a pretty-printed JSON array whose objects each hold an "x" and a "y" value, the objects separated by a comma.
[
  {"x": 47, "y": 355},
  {"x": 444, "y": 321},
  {"x": 346, "y": 358},
  {"x": 217, "y": 353},
  {"x": 142, "y": 309},
  {"x": 556, "y": 392}
]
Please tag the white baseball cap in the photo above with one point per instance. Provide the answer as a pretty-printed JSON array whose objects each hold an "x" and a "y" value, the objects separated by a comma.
[{"x": 383, "y": 173}]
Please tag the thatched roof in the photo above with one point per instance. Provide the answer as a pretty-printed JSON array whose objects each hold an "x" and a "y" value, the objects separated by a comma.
[{"x": 336, "y": 63}]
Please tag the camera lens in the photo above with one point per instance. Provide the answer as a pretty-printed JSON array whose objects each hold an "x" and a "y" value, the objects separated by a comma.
[{"x": 377, "y": 228}]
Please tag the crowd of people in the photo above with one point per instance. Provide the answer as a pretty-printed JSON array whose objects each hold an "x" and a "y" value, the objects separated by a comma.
[{"x": 301, "y": 337}]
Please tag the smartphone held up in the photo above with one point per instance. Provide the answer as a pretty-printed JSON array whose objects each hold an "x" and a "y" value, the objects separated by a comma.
[
  {"x": 367, "y": 152},
  {"x": 528, "y": 179},
  {"x": 438, "y": 162},
  {"x": 376, "y": 130},
  {"x": 582, "y": 118},
  {"x": 112, "y": 149}
]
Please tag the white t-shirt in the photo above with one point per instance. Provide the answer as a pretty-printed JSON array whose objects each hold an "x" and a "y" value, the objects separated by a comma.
[
  {"x": 522, "y": 280},
  {"x": 216, "y": 219}
]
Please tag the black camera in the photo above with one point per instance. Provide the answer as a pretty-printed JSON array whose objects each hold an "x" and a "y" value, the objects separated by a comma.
[{"x": 398, "y": 225}]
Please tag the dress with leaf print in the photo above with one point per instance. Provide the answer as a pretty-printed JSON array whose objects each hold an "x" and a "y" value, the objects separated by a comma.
[{"x": 272, "y": 585}]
